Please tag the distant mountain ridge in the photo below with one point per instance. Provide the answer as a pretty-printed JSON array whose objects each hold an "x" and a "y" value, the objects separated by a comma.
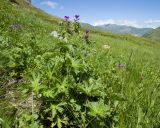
[
  {"x": 154, "y": 35},
  {"x": 123, "y": 29},
  {"x": 118, "y": 29},
  {"x": 91, "y": 27}
]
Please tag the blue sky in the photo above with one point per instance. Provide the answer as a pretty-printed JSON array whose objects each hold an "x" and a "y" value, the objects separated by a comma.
[{"x": 138, "y": 13}]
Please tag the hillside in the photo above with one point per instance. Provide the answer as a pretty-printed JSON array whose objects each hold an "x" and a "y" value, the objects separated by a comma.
[
  {"x": 123, "y": 29},
  {"x": 122, "y": 36},
  {"x": 91, "y": 27},
  {"x": 56, "y": 74},
  {"x": 153, "y": 35}
]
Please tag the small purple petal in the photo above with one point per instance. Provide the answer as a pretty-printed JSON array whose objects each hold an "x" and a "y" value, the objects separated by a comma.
[
  {"x": 121, "y": 65},
  {"x": 15, "y": 26},
  {"x": 66, "y": 17},
  {"x": 77, "y": 17},
  {"x": 88, "y": 30}
]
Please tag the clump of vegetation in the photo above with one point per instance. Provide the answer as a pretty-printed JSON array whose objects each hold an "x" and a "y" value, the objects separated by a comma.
[{"x": 47, "y": 81}]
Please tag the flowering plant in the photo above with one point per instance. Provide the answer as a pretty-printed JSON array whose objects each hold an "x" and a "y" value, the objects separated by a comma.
[
  {"x": 86, "y": 37},
  {"x": 68, "y": 28},
  {"x": 66, "y": 18}
]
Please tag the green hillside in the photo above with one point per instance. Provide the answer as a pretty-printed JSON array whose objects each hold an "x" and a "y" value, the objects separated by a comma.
[
  {"x": 153, "y": 35},
  {"x": 75, "y": 78}
]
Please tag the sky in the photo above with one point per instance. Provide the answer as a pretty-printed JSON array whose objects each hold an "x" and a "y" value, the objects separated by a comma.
[{"x": 136, "y": 13}]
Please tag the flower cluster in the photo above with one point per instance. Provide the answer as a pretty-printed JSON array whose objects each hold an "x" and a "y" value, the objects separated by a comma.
[
  {"x": 106, "y": 46},
  {"x": 57, "y": 35},
  {"x": 76, "y": 18},
  {"x": 69, "y": 28}
]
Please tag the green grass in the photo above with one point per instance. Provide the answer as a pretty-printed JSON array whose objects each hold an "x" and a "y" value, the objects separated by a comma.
[{"x": 131, "y": 91}]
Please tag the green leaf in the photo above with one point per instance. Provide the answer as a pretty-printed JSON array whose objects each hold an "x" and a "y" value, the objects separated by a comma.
[
  {"x": 49, "y": 93},
  {"x": 1, "y": 120},
  {"x": 59, "y": 124},
  {"x": 63, "y": 87},
  {"x": 93, "y": 88},
  {"x": 35, "y": 83},
  {"x": 55, "y": 109},
  {"x": 98, "y": 109}
]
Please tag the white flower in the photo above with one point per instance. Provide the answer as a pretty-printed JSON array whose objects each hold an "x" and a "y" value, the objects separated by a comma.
[
  {"x": 94, "y": 50},
  {"x": 39, "y": 95},
  {"x": 61, "y": 38},
  {"x": 54, "y": 34},
  {"x": 106, "y": 47},
  {"x": 65, "y": 40}
]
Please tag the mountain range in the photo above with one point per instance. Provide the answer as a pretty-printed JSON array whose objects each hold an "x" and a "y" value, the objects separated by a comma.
[
  {"x": 121, "y": 29},
  {"x": 154, "y": 35}
]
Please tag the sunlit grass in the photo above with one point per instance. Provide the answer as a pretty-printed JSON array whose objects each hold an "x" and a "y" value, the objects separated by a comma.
[{"x": 129, "y": 69}]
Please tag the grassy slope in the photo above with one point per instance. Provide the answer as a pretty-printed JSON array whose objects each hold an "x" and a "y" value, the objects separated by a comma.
[{"x": 140, "y": 55}]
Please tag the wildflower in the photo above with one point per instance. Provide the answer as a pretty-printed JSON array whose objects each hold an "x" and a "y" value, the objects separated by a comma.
[
  {"x": 106, "y": 47},
  {"x": 87, "y": 36},
  {"x": 88, "y": 31},
  {"x": 61, "y": 38},
  {"x": 141, "y": 77},
  {"x": 76, "y": 17},
  {"x": 94, "y": 50},
  {"x": 39, "y": 95},
  {"x": 65, "y": 40},
  {"x": 121, "y": 65},
  {"x": 15, "y": 26},
  {"x": 54, "y": 34},
  {"x": 66, "y": 18}
]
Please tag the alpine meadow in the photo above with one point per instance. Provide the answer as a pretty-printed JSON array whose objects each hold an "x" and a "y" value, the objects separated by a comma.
[{"x": 62, "y": 73}]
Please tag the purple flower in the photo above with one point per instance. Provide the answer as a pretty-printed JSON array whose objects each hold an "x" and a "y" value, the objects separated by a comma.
[
  {"x": 141, "y": 77},
  {"x": 66, "y": 17},
  {"x": 76, "y": 17},
  {"x": 121, "y": 65},
  {"x": 88, "y": 30},
  {"x": 15, "y": 26}
]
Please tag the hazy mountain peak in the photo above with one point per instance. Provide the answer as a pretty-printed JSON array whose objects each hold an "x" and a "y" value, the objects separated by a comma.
[{"x": 124, "y": 29}]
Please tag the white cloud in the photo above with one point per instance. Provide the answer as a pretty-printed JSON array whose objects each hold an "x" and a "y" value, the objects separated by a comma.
[
  {"x": 50, "y": 4},
  {"x": 139, "y": 24}
]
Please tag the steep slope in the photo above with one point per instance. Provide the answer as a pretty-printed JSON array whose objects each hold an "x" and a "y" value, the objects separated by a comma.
[
  {"x": 124, "y": 29},
  {"x": 154, "y": 35},
  {"x": 45, "y": 82},
  {"x": 28, "y": 7}
]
